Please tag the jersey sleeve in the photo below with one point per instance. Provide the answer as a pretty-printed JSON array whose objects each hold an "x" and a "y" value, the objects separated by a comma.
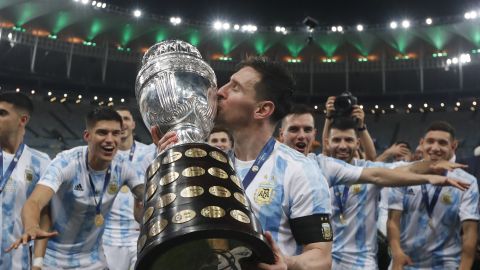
[
  {"x": 469, "y": 204},
  {"x": 132, "y": 175},
  {"x": 395, "y": 198},
  {"x": 338, "y": 172},
  {"x": 54, "y": 174}
]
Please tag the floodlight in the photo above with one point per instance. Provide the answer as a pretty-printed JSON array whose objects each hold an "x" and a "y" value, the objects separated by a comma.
[
  {"x": 359, "y": 28},
  {"x": 137, "y": 13},
  {"x": 428, "y": 21},
  {"x": 393, "y": 25}
]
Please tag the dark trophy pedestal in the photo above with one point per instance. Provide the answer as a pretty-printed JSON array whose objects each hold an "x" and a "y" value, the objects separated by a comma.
[{"x": 197, "y": 215}]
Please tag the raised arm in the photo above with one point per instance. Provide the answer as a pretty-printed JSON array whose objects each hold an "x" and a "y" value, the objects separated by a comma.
[{"x": 364, "y": 136}]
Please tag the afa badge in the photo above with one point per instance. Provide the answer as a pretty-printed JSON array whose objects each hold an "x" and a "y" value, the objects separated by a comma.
[
  {"x": 356, "y": 188},
  {"x": 28, "y": 175},
  {"x": 264, "y": 193},
  {"x": 326, "y": 231},
  {"x": 112, "y": 188},
  {"x": 447, "y": 198}
]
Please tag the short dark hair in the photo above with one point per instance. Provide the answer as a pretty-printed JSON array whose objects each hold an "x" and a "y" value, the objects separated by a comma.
[
  {"x": 216, "y": 129},
  {"x": 102, "y": 114},
  {"x": 441, "y": 126},
  {"x": 123, "y": 108},
  {"x": 404, "y": 143},
  {"x": 19, "y": 100},
  {"x": 298, "y": 109},
  {"x": 344, "y": 123},
  {"x": 276, "y": 84}
]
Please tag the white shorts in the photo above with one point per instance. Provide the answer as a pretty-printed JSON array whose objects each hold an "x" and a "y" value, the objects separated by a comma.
[{"x": 120, "y": 258}]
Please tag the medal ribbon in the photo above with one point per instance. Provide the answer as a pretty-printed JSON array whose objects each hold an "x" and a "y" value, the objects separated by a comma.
[
  {"x": 132, "y": 151},
  {"x": 341, "y": 201},
  {"x": 11, "y": 167},
  {"x": 430, "y": 205},
  {"x": 105, "y": 184},
  {"x": 261, "y": 158}
]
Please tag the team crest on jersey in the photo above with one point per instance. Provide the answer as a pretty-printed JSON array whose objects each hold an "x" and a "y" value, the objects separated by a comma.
[
  {"x": 326, "y": 231},
  {"x": 29, "y": 175},
  {"x": 264, "y": 193},
  {"x": 447, "y": 198},
  {"x": 356, "y": 188},
  {"x": 112, "y": 187}
]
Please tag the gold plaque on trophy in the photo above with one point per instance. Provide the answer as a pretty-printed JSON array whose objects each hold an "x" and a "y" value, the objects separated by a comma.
[
  {"x": 148, "y": 214},
  {"x": 150, "y": 191},
  {"x": 157, "y": 227},
  {"x": 219, "y": 191},
  {"x": 195, "y": 153},
  {"x": 183, "y": 216},
  {"x": 240, "y": 198},
  {"x": 193, "y": 171},
  {"x": 166, "y": 199},
  {"x": 217, "y": 172},
  {"x": 213, "y": 212},
  {"x": 172, "y": 157},
  {"x": 191, "y": 191},
  {"x": 169, "y": 178},
  {"x": 240, "y": 216},
  {"x": 141, "y": 242},
  {"x": 235, "y": 180},
  {"x": 218, "y": 156}
]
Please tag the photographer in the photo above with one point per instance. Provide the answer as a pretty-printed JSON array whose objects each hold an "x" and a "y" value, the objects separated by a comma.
[{"x": 346, "y": 106}]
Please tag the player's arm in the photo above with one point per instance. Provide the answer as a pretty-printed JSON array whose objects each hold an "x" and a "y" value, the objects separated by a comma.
[
  {"x": 328, "y": 122},
  {"x": 39, "y": 198},
  {"x": 363, "y": 135},
  {"x": 431, "y": 167},
  {"x": 138, "y": 192},
  {"x": 399, "y": 258},
  {"x": 469, "y": 242},
  {"x": 40, "y": 247}
]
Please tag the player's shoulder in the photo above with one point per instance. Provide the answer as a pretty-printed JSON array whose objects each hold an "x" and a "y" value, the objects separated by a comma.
[
  {"x": 462, "y": 176},
  {"x": 42, "y": 156},
  {"x": 295, "y": 159},
  {"x": 72, "y": 154}
]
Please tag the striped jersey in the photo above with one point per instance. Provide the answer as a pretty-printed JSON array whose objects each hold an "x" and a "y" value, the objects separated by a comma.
[
  {"x": 30, "y": 166},
  {"x": 287, "y": 186},
  {"x": 78, "y": 244},
  {"x": 121, "y": 228},
  {"x": 439, "y": 245}
]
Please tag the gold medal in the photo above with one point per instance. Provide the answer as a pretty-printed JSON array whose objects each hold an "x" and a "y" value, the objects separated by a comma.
[
  {"x": 169, "y": 178},
  {"x": 183, "y": 216},
  {"x": 124, "y": 189},
  {"x": 217, "y": 172},
  {"x": 195, "y": 153},
  {"x": 219, "y": 191},
  {"x": 193, "y": 171},
  {"x": 99, "y": 220},
  {"x": 172, "y": 157},
  {"x": 240, "y": 216},
  {"x": 166, "y": 200},
  {"x": 213, "y": 212},
  {"x": 342, "y": 219},
  {"x": 218, "y": 156},
  {"x": 191, "y": 191},
  {"x": 150, "y": 191}
]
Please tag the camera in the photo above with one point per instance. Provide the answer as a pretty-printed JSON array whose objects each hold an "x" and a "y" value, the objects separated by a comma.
[{"x": 344, "y": 104}]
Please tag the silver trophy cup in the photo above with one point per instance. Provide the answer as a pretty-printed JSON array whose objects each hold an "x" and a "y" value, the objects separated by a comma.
[{"x": 196, "y": 214}]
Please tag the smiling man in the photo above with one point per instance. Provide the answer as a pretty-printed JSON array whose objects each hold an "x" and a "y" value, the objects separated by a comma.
[
  {"x": 446, "y": 217},
  {"x": 80, "y": 186}
]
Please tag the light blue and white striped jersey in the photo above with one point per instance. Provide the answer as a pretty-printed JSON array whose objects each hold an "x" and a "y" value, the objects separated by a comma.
[
  {"x": 29, "y": 168},
  {"x": 78, "y": 244},
  {"x": 288, "y": 185},
  {"x": 354, "y": 241},
  {"x": 121, "y": 228},
  {"x": 438, "y": 248}
]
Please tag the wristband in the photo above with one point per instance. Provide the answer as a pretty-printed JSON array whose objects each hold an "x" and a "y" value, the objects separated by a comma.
[
  {"x": 362, "y": 128},
  {"x": 37, "y": 262}
]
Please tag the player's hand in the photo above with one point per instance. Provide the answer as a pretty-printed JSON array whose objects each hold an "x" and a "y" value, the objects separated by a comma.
[
  {"x": 399, "y": 260},
  {"x": 358, "y": 114},
  {"x": 163, "y": 141},
  {"x": 329, "y": 106},
  {"x": 280, "y": 263},
  {"x": 443, "y": 166},
  {"x": 31, "y": 234},
  {"x": 440, "y": 180}
]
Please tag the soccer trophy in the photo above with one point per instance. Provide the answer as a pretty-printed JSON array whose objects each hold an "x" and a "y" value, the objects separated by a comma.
[{"x": 196, "y": 214}]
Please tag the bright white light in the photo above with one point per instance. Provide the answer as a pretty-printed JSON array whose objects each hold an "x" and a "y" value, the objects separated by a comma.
[
  {"x": 254, "y": 28},
  {"x": 376, "y": 106},
  {"x": 84, "y": 2},
  {"x": 334, "y": 29},
  {"x": 428, "y": 21},
  {"x": 249, "y": 28},
  {"x": 95, "y": 98},
  {"x": 465, "y": 58},
  {"x": 94, "y": 3},
  {"x": 449, "y": 61},
  {"x": 340, "y": 28},
  {"x": 455, "y": 60},
  {"x": 393, "y": 25},
  {"x": 425, "y": 105},
  {"x": 458, "y": 104},
  {"x": 104, "y": 5},
  {"x": 474, "y": 103},
  {"x": 32, "y": 92},
  {"x": 236, "y": 27},
  {"x": 316, "y": 107},
  {"x": 99, "y": 4},
  {"x": 278, "y": 28},
  {"x": 405, "y": 23},
  {"x": 65, "y": 95},
  {"x": 110, "y": 99},
  {"x": 175, "y": 20},
  {"x": 361, "y": 107},
  {"x": 467, "y": 16},
  {"x": 79, "y": 96},
  {"x": 122, "y": 100},
  {"x": 10, "y": 36},
  {"x": 217, "y": 25},
  {"x": 442, "y": 104},
  {"x": 49, "y": 93},
  {"x": 137, "y": 13},
  {"x": 17, "y": 90},
  {"x": 226, "y": 26},
  {"x": 359, "y": 28},
  {"x": 409, "y": 106},
  {"x": 391, "y": 106},
  {"x": 473, "y": 14}
]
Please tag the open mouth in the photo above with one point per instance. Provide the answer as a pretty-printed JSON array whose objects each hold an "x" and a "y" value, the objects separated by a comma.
[
  {"x": 300, "y": 146},
  {"x": 108, "y": 149}
]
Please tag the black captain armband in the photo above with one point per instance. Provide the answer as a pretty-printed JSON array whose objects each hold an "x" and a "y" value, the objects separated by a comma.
[{"x": 311, "y": 229}]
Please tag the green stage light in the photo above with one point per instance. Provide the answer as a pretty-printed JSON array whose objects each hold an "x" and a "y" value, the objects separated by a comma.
[
  {"x": 127, "y": 34},
  {"x": 61, "y": 22},
  {"x": 95, "y": 29}
]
